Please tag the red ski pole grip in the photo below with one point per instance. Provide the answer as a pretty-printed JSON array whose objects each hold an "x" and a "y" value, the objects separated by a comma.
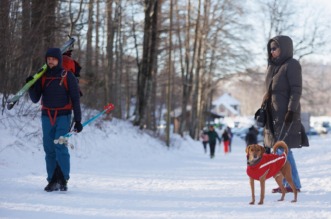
[{"x": 109, "y": 107}]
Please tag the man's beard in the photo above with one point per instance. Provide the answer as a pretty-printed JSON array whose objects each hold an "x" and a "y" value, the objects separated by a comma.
[{"x": 51, "y": 66}]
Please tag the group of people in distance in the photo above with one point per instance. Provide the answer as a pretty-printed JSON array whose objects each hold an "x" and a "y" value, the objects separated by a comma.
[{"x": 209, "y": 137}]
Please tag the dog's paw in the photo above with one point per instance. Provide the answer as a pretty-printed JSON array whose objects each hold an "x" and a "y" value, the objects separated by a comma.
[
  {"x": 260, "y": 203},
  {"x": 252, "y": 203}
]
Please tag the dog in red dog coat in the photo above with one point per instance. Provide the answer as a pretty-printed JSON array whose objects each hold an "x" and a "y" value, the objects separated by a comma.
[{"x": 261, "y": 166}]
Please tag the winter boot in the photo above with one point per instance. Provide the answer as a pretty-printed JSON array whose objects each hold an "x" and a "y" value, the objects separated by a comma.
[
  {"x": 63, "y": 185},
  {"x": 51, "y": 186},
  {"x": 61, "y": 180}
]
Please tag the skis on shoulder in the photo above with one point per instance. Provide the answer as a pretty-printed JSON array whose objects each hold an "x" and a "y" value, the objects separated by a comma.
[{"x": 13, "y": 100}]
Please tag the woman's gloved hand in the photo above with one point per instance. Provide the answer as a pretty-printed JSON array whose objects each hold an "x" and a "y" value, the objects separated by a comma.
[{"x": 289, "y": 117}]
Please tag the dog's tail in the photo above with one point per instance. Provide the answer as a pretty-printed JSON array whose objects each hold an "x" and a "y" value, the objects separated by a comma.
[{"x": 281, "y": 144}]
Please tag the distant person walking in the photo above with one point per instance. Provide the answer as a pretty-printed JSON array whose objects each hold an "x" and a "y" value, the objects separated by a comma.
[
  {"x": 230, "y": 137},
  {"x": 226, "y": 141},
  {"x": 204, "y": 138},
  {"x": 212, "y": 135},
  {"x": 251, "y": 136}
]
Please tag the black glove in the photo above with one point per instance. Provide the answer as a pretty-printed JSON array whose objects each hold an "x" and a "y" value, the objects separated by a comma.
[
  {"x": 28, "y": 79},
  {"x": 289, "y": 117},
  {"x": 78, "y": 127}
]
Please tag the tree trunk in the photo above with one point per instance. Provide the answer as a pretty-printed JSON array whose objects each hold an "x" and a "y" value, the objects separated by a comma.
[
  {"x": 37, "y": 20},
  {"x": 187, "y": 77},
  {"x": 26, "y": 40},
  {"x": 89, "y": 51},
  {"x": 151, "y": 123},
  {"x": 4, "y": 50},
  {"x": 196, "y": 62},
  {"x": 145, "y": 75},
  {"x": 49, "y": 18},
  {"x": 97, "y": 39},
  {"x": 110, "y": 58},
  {"x": 118, "y": 67},
  {"x": 170, "y": 67},
  {"x": 198, "y": 107}
]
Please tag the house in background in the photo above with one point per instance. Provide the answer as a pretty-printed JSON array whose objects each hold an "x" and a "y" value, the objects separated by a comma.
[{"x": 226, "y": 105}]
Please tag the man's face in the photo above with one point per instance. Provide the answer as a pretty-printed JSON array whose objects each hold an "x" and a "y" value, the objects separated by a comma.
[{"x": 52, "y": 61}]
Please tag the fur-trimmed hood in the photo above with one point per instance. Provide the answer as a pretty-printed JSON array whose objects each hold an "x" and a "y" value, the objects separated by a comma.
[{"x": 286, "y": 47}]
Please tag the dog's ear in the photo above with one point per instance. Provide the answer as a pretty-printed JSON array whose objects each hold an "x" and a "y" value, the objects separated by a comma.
[{"x": 247, "y": 149}]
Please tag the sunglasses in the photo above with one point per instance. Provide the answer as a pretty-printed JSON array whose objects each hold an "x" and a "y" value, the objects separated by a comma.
[{"x": 272, "y": 49}]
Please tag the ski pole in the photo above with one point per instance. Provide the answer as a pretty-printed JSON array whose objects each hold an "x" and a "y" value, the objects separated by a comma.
[{"x": 64, "y": 139}]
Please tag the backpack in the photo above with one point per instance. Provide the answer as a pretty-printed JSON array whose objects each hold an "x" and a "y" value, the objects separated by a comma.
[{"x": 69, "y": 64}]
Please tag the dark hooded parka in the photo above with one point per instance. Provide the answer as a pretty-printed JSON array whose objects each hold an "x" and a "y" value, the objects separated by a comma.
[{"x": 284, "y": 86}]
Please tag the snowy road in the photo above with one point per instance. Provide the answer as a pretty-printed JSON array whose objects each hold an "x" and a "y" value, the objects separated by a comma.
[{"x": 136, "y": 177}]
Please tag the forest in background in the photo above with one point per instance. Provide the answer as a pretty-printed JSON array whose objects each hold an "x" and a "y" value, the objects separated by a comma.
[{"x": 154, "y": 56}]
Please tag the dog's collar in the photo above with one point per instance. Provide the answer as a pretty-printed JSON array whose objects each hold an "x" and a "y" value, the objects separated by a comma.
[{"x": 254, "y": 162}]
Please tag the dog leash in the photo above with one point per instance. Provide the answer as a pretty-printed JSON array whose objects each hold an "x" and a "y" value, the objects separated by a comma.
[{"x": 286, "y": 133}]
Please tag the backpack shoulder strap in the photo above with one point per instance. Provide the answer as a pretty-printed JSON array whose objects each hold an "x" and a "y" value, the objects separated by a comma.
[
  {"x": 43, "y": 80},
  {"x": 64, "y": 79}
]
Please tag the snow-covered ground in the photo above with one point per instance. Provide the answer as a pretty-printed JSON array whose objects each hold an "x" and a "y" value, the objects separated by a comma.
[{"x": 118, "y": 171}]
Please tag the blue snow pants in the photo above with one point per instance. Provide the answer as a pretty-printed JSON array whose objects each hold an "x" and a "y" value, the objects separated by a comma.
[
  {"x": 295, "y": 173},
  {"x": 56, "y": 152}
]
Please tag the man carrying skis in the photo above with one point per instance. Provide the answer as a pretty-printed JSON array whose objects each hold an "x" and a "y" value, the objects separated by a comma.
[{"x": 59, "y": 93}]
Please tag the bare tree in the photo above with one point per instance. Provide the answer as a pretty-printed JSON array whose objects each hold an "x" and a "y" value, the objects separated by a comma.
[
  {"x": 196, "y": 65},
  {"x": 97, "y": 37},
  {"x": 213, "y": 49},
  {"x": 89, "y": 51},
  {"x": 26, "y": 42},
  {"x": 145, "y": 75},
  {"x": 170, "y": 67},
  {"x": 187, "y": 75},
  {"x": 110, "y": 59},
  {"x": 4, "y": 49},
  {"x": 72, "y": 12},
  {"x": 283, "y": 18}
]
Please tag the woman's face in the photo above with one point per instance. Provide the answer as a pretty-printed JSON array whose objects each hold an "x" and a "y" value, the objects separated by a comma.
[{"x": 274, "y": 49}]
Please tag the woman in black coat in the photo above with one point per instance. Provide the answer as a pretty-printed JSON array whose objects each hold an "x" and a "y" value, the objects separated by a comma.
[{"x": 283, "y": 84}]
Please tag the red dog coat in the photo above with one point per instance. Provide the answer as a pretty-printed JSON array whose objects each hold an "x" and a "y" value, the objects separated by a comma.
[{"x": 269, "y": 163}]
